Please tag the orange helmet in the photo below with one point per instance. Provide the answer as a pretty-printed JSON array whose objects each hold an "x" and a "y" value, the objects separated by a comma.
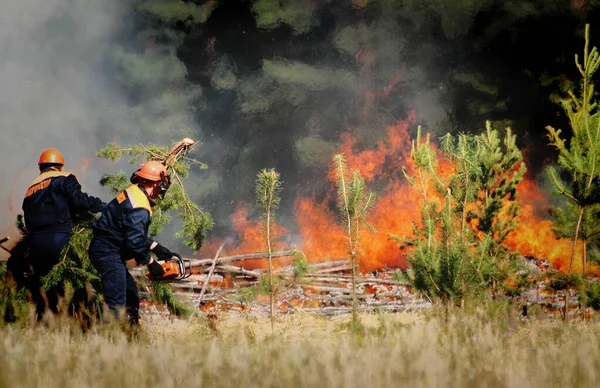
[
  {"x": 52, "y": 156},
  {"x": 152, "y": 171}
]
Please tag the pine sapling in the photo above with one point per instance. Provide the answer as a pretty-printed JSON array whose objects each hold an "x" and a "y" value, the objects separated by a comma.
[
  {"x": 354, "y": 204},
  {"x": 580, "y": 156},
  {"x": 268, "y": 189},
  {"x": 466, "y": 212}
]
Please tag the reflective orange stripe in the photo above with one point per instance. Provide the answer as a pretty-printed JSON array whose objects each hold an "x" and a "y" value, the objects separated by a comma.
[
  {"x": 138, "y": 198},
  {"x": 37, "y": 187},
  {"x": 43, "y": 181},
  {"x": 49, "y": 174},
  {"x": 121, "y": 197}
]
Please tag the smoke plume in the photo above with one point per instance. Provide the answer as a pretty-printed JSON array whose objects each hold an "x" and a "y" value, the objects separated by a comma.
[{"x": 51, "y": 71}]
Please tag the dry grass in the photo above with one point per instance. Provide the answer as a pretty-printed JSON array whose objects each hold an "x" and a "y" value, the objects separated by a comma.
[{"x": 422, "y": 350}]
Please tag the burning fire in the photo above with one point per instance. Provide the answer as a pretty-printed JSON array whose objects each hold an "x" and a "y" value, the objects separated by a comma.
[
  {"x": 534, "y": 235},
  {"x": 249, "y": 234},
  {"x": 396, "y": 209}
]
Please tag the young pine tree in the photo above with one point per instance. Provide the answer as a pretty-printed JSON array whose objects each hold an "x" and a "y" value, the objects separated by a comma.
[
  {"x": 354, "y": 204},
  {"x": 488, "y": 168},
  {"x": 579, "y": 156},
  {"x": 441, "y": 263},
  {"x": 268, "y": 189},
  {"x": 465, "y": 214}
]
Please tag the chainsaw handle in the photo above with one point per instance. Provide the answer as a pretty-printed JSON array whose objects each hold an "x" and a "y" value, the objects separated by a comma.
[{"x": 177, "y": 268}]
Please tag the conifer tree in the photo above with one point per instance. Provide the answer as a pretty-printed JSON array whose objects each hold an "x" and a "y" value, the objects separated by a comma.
[
  {"x": 354, "y": 204},
  {"x": 488, "y": 169},
  {"x": 268, "y": 189},
  {"x": 579, "y": 156},
  {"x": 465, "y": 215},
  {"x": 441, "y": 264}
]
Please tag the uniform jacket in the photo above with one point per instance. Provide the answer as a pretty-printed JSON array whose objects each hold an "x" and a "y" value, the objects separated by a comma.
[
  {"x": 123, "y": 226},
  {"x": 52, "y": 201}
]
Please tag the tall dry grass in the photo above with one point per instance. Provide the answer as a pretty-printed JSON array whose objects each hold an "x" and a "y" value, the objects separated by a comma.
[{"x": 419, "y": 350}]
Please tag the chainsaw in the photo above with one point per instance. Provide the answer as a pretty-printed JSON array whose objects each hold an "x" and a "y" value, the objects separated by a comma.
[{"x": 177, "y": 268}]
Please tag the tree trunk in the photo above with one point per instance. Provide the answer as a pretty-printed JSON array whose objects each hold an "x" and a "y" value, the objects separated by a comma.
[
  {"x": 584, "y": 256},
  {"x": 575, "y": 240},
  {"x": 566, "y": 316},
  {"x": 354, "y": 298}
]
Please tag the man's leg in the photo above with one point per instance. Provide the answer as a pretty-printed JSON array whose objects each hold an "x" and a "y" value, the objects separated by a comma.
[
  {"x": 53, "y": 294},
  {"x": 42, "y": 259},
  {"x": 133, "y": 300},
  {"x": 113, "y": 275},
  {"x": 46, "y": 252}
]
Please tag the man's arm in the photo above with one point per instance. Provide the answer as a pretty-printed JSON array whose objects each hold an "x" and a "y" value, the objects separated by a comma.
[
  {"x": 136, "y": 240},
  {"x": 79, "y": 200}
]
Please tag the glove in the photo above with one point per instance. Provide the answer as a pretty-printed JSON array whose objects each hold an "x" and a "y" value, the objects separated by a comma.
[
  {"x": 162, "y": 253},
  {"x": 155, "y": 269}
]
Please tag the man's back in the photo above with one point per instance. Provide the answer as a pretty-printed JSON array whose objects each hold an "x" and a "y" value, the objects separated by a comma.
[{"x": 52, "y": 200}]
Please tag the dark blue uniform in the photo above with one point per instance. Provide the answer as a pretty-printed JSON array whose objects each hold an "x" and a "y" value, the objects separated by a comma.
[
  {"x": 120, "y": 234},
  {"x": 52, "y": 201}
]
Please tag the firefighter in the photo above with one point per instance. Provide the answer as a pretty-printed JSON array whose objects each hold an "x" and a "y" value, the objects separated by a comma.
[
  {"x": 51, "y": 203},
  {"x": 121, "y": 233}
]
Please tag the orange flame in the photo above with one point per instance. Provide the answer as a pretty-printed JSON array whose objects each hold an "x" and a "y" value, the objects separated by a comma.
[
  {"x": 84, "y": 165},
  {"x": 248, "y": 237},
  {"x": 534, "y": 235},
  {"x": 397, "y": 207}
]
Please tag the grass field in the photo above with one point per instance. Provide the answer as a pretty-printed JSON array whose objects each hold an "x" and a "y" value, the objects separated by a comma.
[{"x": 478, "y": 349}]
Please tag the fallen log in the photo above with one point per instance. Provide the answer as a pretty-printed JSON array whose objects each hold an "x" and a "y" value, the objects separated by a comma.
[
  {"x": 312, "y": 267},
  {"x": 232, "y": 269},
  {"x": 197, "y": 287},
  {"x": 327, "y": 289},
  {"x": 348, "y": 279},
  {"x": 339, "y": 268},
  {"x": 329, "y": 264},
  {"x": 243, "y": 257}
]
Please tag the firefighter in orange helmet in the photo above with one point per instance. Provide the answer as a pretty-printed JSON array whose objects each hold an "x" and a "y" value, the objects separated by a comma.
[
  {"x": 121, "y": 233},
  {"x": 50, "y": 204}
]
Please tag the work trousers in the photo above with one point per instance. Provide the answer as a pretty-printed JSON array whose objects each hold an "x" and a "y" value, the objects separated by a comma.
[
  {"x": 45, "y": 253},
  {"x": 120, "y": 289}
]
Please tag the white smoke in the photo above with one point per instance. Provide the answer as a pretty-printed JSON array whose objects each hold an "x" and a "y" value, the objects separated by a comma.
[{"x": 52, "y": 86}]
